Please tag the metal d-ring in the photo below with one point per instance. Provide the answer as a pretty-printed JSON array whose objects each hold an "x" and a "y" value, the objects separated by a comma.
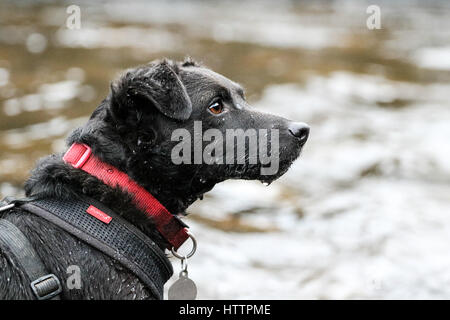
[{"x": 190, "y": 254}]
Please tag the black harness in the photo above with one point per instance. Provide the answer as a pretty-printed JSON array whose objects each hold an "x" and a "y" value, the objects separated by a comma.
[{"x": 116, "y": 238}]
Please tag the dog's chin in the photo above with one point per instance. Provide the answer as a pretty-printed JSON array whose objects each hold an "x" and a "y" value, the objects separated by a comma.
[
  {"x": 268, "y": 179},
  {"x": 255, "y": 172}
]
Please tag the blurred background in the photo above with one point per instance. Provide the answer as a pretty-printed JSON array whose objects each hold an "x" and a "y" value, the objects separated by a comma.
[{"x": 364, "y": 212}]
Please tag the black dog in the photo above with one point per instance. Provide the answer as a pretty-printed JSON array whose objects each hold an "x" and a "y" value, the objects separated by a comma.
[{"x": 132, "y": 130}]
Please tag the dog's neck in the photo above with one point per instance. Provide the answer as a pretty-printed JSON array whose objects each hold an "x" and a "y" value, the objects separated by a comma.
[{"x": 175, "y": 190}]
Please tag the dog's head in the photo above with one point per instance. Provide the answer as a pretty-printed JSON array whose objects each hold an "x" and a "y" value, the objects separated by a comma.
[{"x": 179, "y": 128}]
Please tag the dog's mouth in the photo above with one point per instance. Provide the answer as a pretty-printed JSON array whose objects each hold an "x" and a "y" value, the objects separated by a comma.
[{"x": 268, "y": 173}]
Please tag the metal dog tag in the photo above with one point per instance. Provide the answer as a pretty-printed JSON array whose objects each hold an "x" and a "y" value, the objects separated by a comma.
[{"x": 183, "y": 289}]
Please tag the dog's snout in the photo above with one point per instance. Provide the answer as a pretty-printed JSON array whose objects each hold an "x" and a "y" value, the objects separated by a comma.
[{"x": 299, "y": 130}]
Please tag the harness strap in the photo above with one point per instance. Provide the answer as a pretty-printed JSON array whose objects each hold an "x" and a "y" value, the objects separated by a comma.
[
  {"x": 44, "y": 285},
  {"x": 106, "y": 231}
]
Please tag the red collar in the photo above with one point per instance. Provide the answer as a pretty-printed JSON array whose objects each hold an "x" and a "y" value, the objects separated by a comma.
[{"x": 80, "y": 156}]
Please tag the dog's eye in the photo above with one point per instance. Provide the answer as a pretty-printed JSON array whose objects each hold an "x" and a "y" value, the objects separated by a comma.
[{"x": 216, "y": 107}]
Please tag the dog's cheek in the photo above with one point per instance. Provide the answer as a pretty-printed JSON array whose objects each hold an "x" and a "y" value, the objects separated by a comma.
[{"x": 145, "y": 140}]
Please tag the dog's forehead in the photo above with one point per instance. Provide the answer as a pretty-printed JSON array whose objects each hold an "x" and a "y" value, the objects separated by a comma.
[{"x": 208, "y": 77}]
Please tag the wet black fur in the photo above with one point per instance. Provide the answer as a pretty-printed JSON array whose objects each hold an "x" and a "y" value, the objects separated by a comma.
[{"x": 131, "y": 130}]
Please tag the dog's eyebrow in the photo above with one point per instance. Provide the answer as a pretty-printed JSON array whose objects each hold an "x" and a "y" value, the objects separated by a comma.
[
  {"x": 227, "y": 91},
  {"x": 240, "y": 91}
]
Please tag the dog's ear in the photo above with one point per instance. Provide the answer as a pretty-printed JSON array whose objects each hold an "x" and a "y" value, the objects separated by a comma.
[{"x": 154, "y": 85}]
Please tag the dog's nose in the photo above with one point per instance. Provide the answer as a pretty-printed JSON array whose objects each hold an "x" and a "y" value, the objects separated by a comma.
[{"x": 299, "y": 130}]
